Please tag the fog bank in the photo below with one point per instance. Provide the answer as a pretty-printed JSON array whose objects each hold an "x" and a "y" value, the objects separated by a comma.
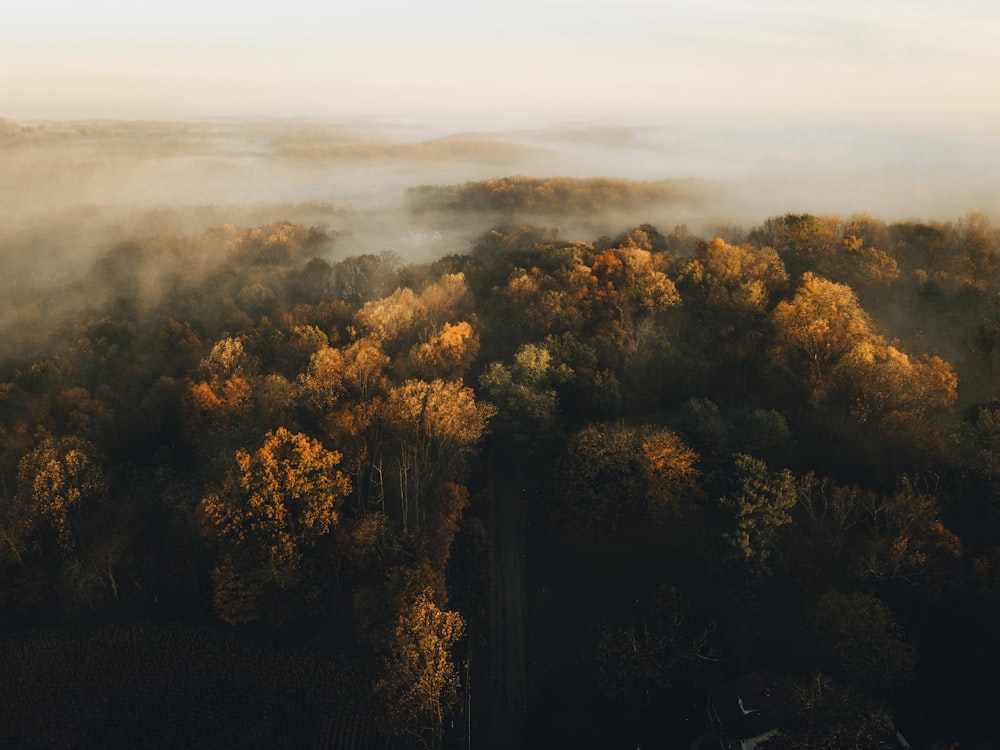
[{"x": 69, "y": 189}]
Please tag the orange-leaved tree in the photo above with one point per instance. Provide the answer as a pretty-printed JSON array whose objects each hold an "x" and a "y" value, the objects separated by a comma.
[
  {"x": 273, "y": 509},
  {"x": 420, "y": 682}
]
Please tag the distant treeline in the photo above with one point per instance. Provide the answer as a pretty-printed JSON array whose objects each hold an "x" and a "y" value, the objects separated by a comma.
[
  {"x": 553, "y": 195},
  {"x": 442, "y": 149}
]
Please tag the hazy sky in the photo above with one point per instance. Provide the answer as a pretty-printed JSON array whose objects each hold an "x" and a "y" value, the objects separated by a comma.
[{"x": 550, "y": 58}]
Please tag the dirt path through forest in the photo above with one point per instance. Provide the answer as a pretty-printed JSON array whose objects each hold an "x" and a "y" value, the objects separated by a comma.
[{"x": 507, "y": 660}]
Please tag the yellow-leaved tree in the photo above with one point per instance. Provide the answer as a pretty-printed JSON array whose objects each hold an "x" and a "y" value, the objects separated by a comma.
[
  {"x": 59, "y": 483},
  {"x": 272, "y": 510},
  {"x": 420, "y": 682}
]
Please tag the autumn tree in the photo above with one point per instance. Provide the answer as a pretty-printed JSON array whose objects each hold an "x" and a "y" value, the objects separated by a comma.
[
  {"x": 436, "y": 426},
  {"x": 898, "y": 398},
  {"x": 728, "y": 292},
  {"x": 60, "y": 483},
  {"x": 322, "y": 384},
  {"x": 445, "y": 513},
  {"x": 217, "y": 415},
  {"x": 631, "y": 289},
  {"x": 347, "y": 388},
  {"x": 804, "y": 241},
  {"x": 420, "y": 682},
  {"x": 276, "y": 244},
  {"x": 860, "y": 265},
  {"x": 613, "y": 475},
  {"x": 286, "y": 351},
  {"x": 551, "y": 293},
  {"x": 742, "y": 277},
  {"x": 859, "y": 379},
  {"x": 405, "y": 318},
  {"x": 270, "y": 513},
  {"x": 821, "y": 324},
  {"x": 217, "y": 407},
  {"x": 887, "y": 383},
  {"x": 908, "y": 544},
  {"x": 447, "y": 355},
  {"x": 980, "y": 245},
  {"x": 396, "y": 321}
]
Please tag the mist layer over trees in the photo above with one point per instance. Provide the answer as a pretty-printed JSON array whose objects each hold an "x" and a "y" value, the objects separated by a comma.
[{"x": 270, "y": 477}]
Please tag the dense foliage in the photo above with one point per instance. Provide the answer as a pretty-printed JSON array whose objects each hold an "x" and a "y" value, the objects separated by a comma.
[{"x": 773, "y": 454}]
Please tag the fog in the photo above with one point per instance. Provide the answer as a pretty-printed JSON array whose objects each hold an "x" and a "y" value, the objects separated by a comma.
[{"x": 71, "y": 190}]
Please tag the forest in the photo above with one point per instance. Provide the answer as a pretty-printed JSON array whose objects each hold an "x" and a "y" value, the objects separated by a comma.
[{"x": 258, "y": 490}]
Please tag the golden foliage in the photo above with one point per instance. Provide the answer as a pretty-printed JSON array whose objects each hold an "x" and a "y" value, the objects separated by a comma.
[
  {"x": 219, "y": 399},
  {"x": 741, "y": 277},
  {"x": 275, "y": 504},
  {"x": 448, "y": 355},
  {"x": 613, "y": 472},
  {"x": 420, "y": 682},
  {"x": 57, "y": 483},
  {"x": 821, "y": 324}
]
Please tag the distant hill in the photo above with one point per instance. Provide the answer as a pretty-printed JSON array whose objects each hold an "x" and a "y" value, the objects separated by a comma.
[
  {"x": 552, "y": 195},
  {"x": 441, "y": 149}
]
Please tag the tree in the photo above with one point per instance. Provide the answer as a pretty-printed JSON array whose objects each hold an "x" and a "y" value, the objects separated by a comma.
[
  {"x": 445, "y": 513},
  {"x": 446, "y": 300},
  {"x": 274, "y": 507},
  {"x": 827, "y": 716},
  {"x": 288, "y": 351},
  {"x": 436, "y": 426},
  {"x": 908, "y": 544},
  {"x": 420, "y": 682},
  {"x": 885, "y": 383},
  {"x": 758, "y": 503},
  {"x": 615, "y": 475},
  {"x": 362, "y": 278},
  {"x": 742, "y": 277},
  {"x": 229, "y": 358},
  {"x": 394, "y": 320},
  {"x": 217, "y": 417},
  {"x": 860, "y": 265},
  {"x": 634, "y": 660},
  {"x": 979, "y": 441},
  {"x": 322, "y": 384},
  {"x": 525, "y": 393},
  {"x": 447, "y": 355},
  {"x": 59, "y": 483},
  {"x": 311, "y": 284},
  {"x": 896, "y": 397},
  {"x": 822, "y": 323},
  {"x": 404, "y": 318},
  {"x": 764, "y": 434},
  {"x": 631, "y": 288},
  {"x": 704, "y": 427},
  {"x": 867, "y": 641},
  {"x": 802, "y": 240},
  {"x": 354, "y": 373},
  {"x": 980, "y": 244}
]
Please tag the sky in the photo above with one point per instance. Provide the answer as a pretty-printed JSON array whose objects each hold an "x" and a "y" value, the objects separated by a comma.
[{"x": 496, "y": 61}]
